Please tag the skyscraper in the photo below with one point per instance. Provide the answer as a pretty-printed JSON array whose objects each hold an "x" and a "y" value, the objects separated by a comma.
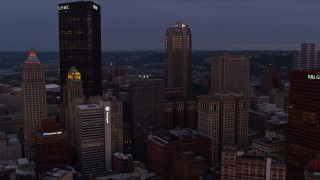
[
  {"x": 224, "y": 117},
  {"x": 72, "y": 96},
  {"x": 112, "y": 127},
  {"x": 303, "y": 141},
  {"x": 34, "y": 100},
  {"x": 80, "y": 43},
  {"x": 307, "y": 57},
  {"x": 271, "y": 79},
  {"x": 90, "y": 135},
  {"x": 178, "y": 57},
  {"x": 147, "y": 101},
  {"x": 51, "y": 147},
  {"x": 116, "y": 120},
  {"x": 230, "y": 74}
]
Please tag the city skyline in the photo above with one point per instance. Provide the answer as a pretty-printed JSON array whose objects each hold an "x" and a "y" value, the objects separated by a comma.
[{"x": 140, "y": 25}]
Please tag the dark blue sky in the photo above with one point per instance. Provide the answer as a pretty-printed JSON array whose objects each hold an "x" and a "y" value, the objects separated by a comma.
[{"x": 141, "y": 24}]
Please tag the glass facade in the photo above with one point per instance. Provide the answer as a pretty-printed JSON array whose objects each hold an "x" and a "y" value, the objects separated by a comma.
[
  {"x": 303, "y": 143},
  {"x": 80, "y": 43}
]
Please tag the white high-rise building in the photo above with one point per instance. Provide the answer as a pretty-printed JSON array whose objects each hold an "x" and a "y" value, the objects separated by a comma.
[
  {"x": 116, "y": 119},
  {"x": 90, "y": 138},
  {"x": 107, "y": 107},
  {"x": 34, "y": 100}
]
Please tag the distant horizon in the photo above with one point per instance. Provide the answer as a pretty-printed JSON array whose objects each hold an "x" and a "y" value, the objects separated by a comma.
[{"x": 22, "y": 51}]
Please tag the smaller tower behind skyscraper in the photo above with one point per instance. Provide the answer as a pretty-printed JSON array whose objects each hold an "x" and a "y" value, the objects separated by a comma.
[
  {"x": 307, "y": 57},
  {"x": 34, "y": 100},
  {"x": 224, "y": 117},
  {"x": 116, "y": 120},
  {"x": 73, "y": 95},
  {"x": 178, "y": 57},
  {"x": 230, "y": 74},
  {"x": 147, "y": 102},
  {"x": 271, "y": 79},
  {"x": 113, "y": 127}
]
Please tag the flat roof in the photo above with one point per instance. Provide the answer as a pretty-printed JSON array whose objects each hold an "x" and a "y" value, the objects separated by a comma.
[
  {"x": 267, "y": 141},
  {"x": 88, "y": 106},
  {"x": 167, "y": 136}
]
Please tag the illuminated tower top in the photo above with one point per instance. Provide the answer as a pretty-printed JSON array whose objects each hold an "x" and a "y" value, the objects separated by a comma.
[
  {"x": 179, "y": 24},
  {"x": 32, "y": 58},
  {"x": 74, "y": 74}
]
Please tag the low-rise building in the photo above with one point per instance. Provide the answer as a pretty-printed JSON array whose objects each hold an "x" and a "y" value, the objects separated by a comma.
[
  {"x": 65, "y": 173},
  {"x": 268, "y": 118},
  {"x": 188, "y": 166},
  {"x": 52, "y": 150},
  {"x": 7, "y": 174},
  {"x": 122, "y": 163},
  {"x": 23, "y": 168},
  {"x": 10, "y": 147},
  {"x": 162, "y": 146},
  {"x": 256, "y": 100},
  {"x": 238, "y": 164},
  {"x": 273, "y": 144}
]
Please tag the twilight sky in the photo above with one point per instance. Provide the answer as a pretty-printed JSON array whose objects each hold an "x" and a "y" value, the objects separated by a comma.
[{"x": 141, "y": 24}]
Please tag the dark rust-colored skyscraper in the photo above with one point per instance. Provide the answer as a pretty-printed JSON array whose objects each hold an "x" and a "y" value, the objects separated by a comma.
[
  {"x": 80, "y": 43},
  {"x": 303, "y": 142},
  {"x": 271, "y": 79},
  {"x": 51, "y": 147},
  {"x": 230, "y": 74},
  {"x": 147, "y": 105},
  {"x": 162, "y": 148},
  {"x": 178, "y": 60}
]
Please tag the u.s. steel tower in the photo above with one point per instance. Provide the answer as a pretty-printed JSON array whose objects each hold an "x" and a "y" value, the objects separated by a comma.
[{"x": 80, "y": 43}]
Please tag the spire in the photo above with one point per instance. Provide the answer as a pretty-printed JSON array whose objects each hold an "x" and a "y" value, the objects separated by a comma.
[{"x": 32, "y": 57}]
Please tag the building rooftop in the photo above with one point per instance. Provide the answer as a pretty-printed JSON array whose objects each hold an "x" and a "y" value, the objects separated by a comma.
[
  {"x": 89, "y": 106},
  {"x": 268, "y": 142},
  {"x": 49, "y": 87},
  {"x": 167, "y": 136},
  {"x": 139, "y": 173},
  {"x": 12, "y": 139},
  {"x": 120, "y": 155},
  {"x": 249, "y": 155},
  {"x": 270, "y": 108},
  {"x": 274, "y": 115},
  {"x": 178, "y": 24},
  {"x": 58, "y": 173},
  {"x": 52, "y": 87},
  {"x": 23, "y": 167}
]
